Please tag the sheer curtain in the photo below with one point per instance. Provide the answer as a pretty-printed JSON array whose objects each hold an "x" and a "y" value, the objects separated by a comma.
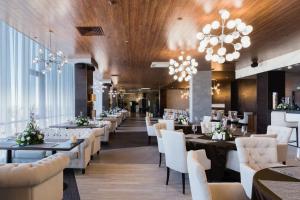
[{"x": 24, "y": 88}]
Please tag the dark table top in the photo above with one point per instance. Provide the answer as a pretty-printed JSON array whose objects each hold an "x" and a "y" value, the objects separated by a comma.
[
  {"x": 216, "y": 151},
  {"x": 262, "y": 192},
  {"x": 48, "y": 145}
]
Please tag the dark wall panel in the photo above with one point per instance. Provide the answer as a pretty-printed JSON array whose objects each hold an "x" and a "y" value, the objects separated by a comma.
[{"x": 83, "y": 83}]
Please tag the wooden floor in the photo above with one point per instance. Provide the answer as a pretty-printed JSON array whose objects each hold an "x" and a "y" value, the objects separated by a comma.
[
  {"x": 127, "y": 169},
  {"x": 130, "y": 173}
]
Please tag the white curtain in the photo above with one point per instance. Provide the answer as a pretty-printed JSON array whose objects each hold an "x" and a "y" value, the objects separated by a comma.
[{"x": 24, "y": 88}]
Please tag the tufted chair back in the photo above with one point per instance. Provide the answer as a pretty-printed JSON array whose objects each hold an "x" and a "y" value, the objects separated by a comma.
[
  {"x": 169, "y": 123},
  {"x": 199, "y": 186},
  {"x": 283, "y": 133},
  {"x": 175, "y": 150},
  {"x": 258, "y": 153}
]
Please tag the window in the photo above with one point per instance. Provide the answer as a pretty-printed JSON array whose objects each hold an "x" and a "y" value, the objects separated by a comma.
[{"x": 24, "y": 89}]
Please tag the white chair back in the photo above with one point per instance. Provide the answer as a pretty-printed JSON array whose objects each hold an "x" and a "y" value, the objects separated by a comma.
[
  {"x": 169, "y": 122},
  {"x": 283, "y": 133},
  {"x": 198, "y": 182},
  {"x": 257, "y": 153},
  {"x": 175, "y": 150},
  {"x": 206, "y": 119},
  {"x": 208, "y": 127},
  {"x": 148, "y": 121}
]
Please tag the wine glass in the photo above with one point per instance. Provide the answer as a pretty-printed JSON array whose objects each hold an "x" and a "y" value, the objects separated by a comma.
[{"x": 194, "y": 128}]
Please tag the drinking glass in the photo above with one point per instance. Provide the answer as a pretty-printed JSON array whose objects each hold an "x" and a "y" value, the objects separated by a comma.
[{"x": 194, "y": 128}]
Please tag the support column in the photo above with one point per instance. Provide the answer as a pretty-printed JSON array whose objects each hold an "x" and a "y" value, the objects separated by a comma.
[
  {"x": 200, "y": 96},
  {"x": 267, "y": 83}
]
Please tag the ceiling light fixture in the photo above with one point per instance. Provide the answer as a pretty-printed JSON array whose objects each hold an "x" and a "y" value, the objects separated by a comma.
[
  {"x": 184, "y": 68},
  {"x": 51, "y": 59},
  {"x": 215, "y": 89},
  {"x": 225, "y": 46}
]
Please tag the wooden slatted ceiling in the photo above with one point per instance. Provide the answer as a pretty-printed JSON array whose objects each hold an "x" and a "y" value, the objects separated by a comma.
[{"x": 151, "y": 28}]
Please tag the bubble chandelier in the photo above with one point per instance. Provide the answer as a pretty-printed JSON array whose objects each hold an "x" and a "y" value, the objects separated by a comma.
[
  {"x": 184, "y": 68},
  {"x": 51, "y": 59},
  {"x": 233, "y": 36}
]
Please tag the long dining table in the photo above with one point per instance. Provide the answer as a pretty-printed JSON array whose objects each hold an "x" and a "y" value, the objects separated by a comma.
[{"x": 216, "y": 151}]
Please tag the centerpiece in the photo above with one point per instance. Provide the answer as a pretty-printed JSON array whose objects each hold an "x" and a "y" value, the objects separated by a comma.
[
  {"x": 221, "y": 133},
  {"x": 183, "y": 120},
  {"x": 82, "y": 121},
  {"x": 283, "y": 106},
  {"x": 31, "y": 135}
]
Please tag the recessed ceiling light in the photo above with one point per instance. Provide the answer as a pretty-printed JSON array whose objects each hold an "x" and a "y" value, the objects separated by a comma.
[
  {"x": 145, "y": 88},
  {"x": 126, "y": 41},
  {"x": 290, "y": 67}
]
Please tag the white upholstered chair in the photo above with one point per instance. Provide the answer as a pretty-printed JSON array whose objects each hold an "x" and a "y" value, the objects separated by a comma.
[
  {"x": 201, "y": 190},
  {"x": 255, "y": 154},
  {"x": 96, "y": 146},
  {"x": 157, "y": 128},
  {"x": 206, "y": 119},
  {"x": 169, "y": 122},
  {"x": 176, "y": 154},
  {"x": 42, "y": 179},
  {"x": 282, "y": 135},
  {"x": 208, "y": 127},
  {"x": 107, "y": 131},
  {"x": 150, "y": 129},
  {"x": 278, "y": 118}
]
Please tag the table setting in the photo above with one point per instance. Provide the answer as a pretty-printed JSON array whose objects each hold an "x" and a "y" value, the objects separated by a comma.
[{"x": 216, "y": 145}]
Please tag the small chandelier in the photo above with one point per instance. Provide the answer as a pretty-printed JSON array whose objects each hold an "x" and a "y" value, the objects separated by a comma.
[
  {"x": 113, "y": 93},
  {"x": 56, "y": 58},
  {"x": 215, "y": 89},
  {"x": 184, "y": 68},
  {"x": 233, "y": 34}
]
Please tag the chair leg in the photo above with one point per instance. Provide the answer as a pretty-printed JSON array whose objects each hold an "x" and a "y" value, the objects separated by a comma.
[
  {"x": 183, "y": 183},
  {"x": 83, "y": 171},
  {"x": 168, "y": 174},
  {"x": 159, "y": 160},
  {"x": 98, "y": 152},
  {"x": 149, "y": 140},
  {"x": 297, "y": 138}
]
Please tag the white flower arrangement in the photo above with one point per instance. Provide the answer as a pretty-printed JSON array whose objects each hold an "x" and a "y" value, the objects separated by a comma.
[
  {"x": 31, "y": 135},
  {"x": 183, "y": 119},
  {"x": 82, "y": 121},
  {"x": 221, "y": 133}
]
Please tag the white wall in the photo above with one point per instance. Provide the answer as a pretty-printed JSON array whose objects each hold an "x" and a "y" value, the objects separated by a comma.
[{"x": 272, "y": 54}]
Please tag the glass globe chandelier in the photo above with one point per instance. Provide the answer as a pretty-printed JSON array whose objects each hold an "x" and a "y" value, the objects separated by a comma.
[
  {"x": 233, "y": 36},
  {"x": 51, "y": 59},
  {"x": 184, "y": 68}
]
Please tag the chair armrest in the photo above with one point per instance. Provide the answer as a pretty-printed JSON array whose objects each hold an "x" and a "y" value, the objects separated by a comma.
[
  {"x": 202, "y": 158},
  {"x": 30, "y": 174},
  {"x": 227, "y": 191}
]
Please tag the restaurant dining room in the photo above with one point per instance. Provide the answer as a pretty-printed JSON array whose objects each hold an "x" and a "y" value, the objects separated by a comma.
[{"x": 149, "y": 99}]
